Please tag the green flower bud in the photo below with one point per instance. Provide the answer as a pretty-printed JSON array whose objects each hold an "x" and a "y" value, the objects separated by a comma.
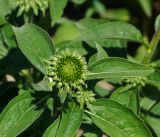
[
  {"x": 84, "y": 97},
  {"x": 136, "y": 81},
  {"x": 26, "y": 5},
  {"x": 68, "y": 70}
]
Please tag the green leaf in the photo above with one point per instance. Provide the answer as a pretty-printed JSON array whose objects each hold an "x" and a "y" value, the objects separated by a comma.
[
  {"x": 20, "y": 113},
  {"x": 7, "y": 40},
  {"x": 157, "y": 23},
  {"x": 56, "y": 9},
  {"x": 111, "y": 30},
  {"x": 146, "y": 6},
  {"x": 99, "y": 6},
  {"x": 117, "y": 14},
  {"x": 114, "y": 47},
  {"x": 146, "y": 103},
  {"x": 35, "y": 44},
  {"x": 78, "y": 1},
  {"x": 42, "y": 85},
  {"x": 70, "y": 122},
  {"x": 8, "y": 36},
  {"x": 153, "y": 118},
  {"x": 117, "y": 120},
  {"x": 117, "y": 68},
  {"x": 154, "y": 78},
  {"x": 66, "y": 31},
  {"x": 4, "y": 10},
  {"x": 127, "y": 96},
  {"x": 98, "y": 56},
  {"x": 3, "y": 49},
  {"x": 90, "y": 23},
  {"x": 156, "y": 63},
  {"x": 52, "y": 129},
  {"x": 89, "y": 134}
]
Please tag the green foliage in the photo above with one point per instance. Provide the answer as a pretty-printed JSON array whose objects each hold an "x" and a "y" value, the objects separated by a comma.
[
  {"x": 56, "y": 9},
  {"x": 117, "y": 68},
  {"x": 79, "y": 68},
  {"x": 114, "y": 118},
  {"x": 68, "y": 124},
  {"x": 20, "y": 113},
  {"x": 111, "y": 30},
  {"x": 35, "y": 44},
  {"x": 152, "y": 121},
  {"x": 146, "y": 6},
  {"x": 4, "y": 10}
]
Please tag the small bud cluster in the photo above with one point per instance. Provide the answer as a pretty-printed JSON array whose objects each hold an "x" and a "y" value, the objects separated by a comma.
[
  {"x": 137, "y": 81},
  {"x": 84, "y": 97},
  {"x": 67, "y": 71},
  {"x": 26, "y": 5}
]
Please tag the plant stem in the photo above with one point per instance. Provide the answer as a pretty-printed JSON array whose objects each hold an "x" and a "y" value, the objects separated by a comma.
[
  {"x": 152, "y": 47},
  {"x": 28, "y": 17},
  {"x": 56, "y": 103},
  {"x": 139, "y": 89}
]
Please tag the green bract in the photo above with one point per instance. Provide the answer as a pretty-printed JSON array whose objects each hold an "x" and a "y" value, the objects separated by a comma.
[
  {"x": 67, "y": 70},
  {"x": 26, "y": 5}
]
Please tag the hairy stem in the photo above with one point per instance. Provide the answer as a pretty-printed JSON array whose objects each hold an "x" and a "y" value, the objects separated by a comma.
[{"x": 152, "y": 47}]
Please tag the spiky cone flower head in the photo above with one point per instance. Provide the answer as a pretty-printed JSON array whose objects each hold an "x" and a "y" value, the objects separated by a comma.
[
  {"x": 84, "y": 97},
  {"x": 25, "y": 6},
  {"x": 67, "y": 71}
]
